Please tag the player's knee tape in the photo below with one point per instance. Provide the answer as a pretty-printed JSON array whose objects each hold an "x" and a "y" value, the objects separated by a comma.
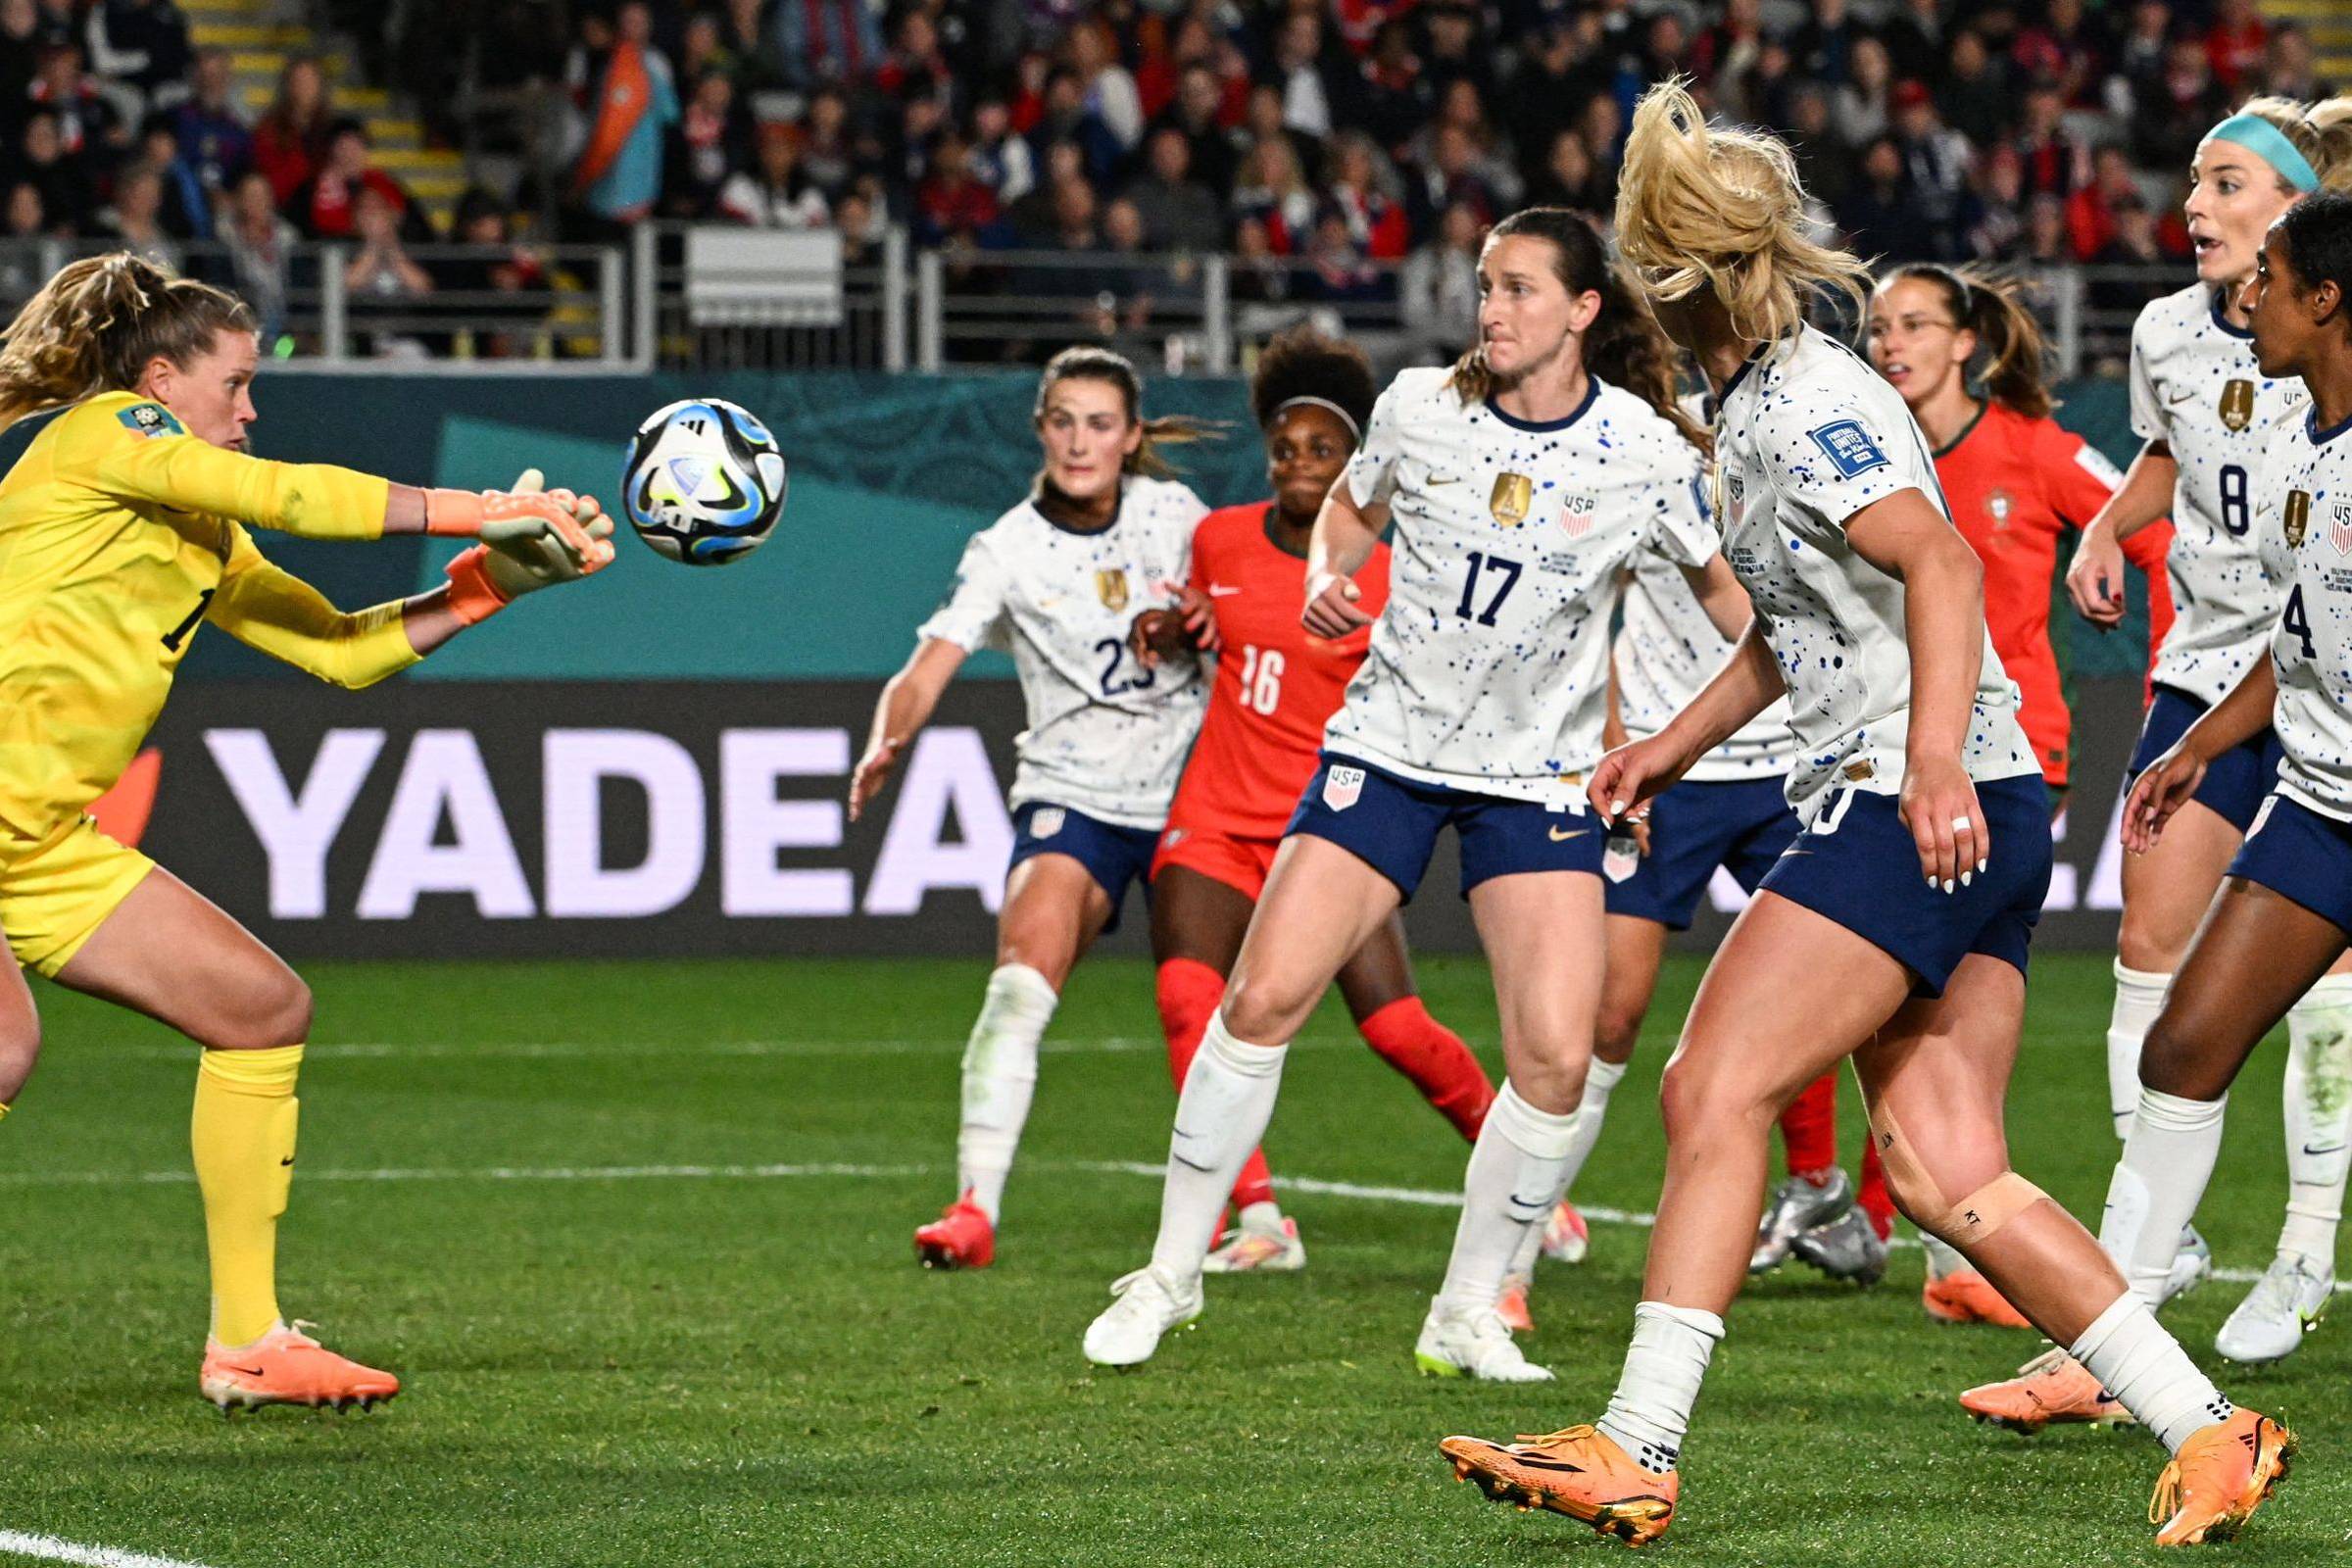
[{"x": 1973, "y": 1219}]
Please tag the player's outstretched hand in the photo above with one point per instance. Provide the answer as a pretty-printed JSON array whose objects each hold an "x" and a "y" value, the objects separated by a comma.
[
  {"x": 1332, "y": 605},
  {"x": 2096, "y": 580},
  {"x": 522, "y": 561},
  {"x": 1939, "y": 806},
  {"x": 1166, "y": 631},
  {"x": 2169, "y": 783},
  {"x": 872, "y": 773},
  {"x": 1623, "y": 785},
  {"x": 508, "y": 517}
]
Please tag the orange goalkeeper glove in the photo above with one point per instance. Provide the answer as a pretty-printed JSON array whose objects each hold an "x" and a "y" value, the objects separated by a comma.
[
  {"x": 500, "y": 517},
  {"x": 490, "y": 576}
]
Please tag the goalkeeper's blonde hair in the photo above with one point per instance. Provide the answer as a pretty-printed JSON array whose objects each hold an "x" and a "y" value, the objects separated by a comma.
[
  {"x": 1723, "y": 209},
  {"x": 96, "y": 324}
]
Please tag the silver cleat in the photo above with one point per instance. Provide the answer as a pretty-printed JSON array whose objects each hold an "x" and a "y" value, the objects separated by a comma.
[
  {"x": 1847, "y": 1248},
  {"x": 1798, "y": 1207}
]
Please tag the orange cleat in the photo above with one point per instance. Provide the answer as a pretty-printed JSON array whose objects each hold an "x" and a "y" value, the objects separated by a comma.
[
  {"x": 2053, "y": 1387},
  {"x": 286, "y": 1366},
  {"x": 1566, "y": 1236},
  {"x": 963, "y": 1237},
  {"x": 1577, "y": 1472},
  {"x": 2221, "y": 1474},
  {"x": 1965, "y": 1296},
  {"x": 1511, "y": 1304}
]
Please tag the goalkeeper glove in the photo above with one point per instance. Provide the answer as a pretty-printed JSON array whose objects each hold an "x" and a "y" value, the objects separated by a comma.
[{"x": 490, "y": 576}]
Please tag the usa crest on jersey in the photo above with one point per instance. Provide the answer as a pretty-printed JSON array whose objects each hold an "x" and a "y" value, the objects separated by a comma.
[
  {"x": 2339, "y": 530},
  {"x": 1575, "y": 516},
  {"x": 1343, "y": 787}
]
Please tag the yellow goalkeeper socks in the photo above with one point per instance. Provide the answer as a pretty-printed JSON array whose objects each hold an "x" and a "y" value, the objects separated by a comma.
[{"x": 243, "y": 1138}]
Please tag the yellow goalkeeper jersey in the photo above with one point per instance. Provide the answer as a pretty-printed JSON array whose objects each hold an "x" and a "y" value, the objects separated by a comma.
[{"x": 119, "y": 533}]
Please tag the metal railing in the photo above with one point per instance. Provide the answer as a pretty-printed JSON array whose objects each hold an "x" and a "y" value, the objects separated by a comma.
[{"x": 605, "y": 309}]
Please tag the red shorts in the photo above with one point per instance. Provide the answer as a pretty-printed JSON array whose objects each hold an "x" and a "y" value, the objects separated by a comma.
[{"x": 1240, "y": 864}]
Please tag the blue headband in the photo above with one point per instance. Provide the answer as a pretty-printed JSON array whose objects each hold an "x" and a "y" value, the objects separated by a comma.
[{"x": 2265, "y": 140}]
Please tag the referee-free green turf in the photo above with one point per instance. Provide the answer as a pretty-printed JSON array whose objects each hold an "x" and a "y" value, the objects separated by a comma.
[{"x": 637, "y": 1237}]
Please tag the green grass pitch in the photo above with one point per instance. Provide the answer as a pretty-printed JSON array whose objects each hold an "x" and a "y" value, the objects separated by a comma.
[{"x": 548, "y": 1195}]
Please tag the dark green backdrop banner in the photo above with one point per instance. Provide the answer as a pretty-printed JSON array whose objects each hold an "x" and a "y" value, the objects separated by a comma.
[{"x": 888, "y": 477}]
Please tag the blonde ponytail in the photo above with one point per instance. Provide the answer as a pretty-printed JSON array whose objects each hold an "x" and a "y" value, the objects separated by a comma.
[
  {"x": 1723, "y": 209},
  {"x": 2321, "y": 132},
  {"x": 93, "y": 327}
]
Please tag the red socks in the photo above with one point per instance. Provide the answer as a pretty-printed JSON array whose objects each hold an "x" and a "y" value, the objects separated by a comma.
[
  {"x": 1809, "y": 1127},
  {"x": 1435, "y": 1059},
  {"x": 1189, "y": 991},
  {"x": 1876, "y": 1200}
]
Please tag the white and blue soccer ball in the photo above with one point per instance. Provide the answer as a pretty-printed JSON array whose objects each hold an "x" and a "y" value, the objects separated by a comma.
[{"x": 703, "y": 482}]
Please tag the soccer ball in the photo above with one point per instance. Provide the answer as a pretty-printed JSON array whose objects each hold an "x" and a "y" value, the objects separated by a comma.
[{"x": 703, "y": 482}]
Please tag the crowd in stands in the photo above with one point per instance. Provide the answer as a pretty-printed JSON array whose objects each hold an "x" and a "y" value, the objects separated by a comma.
[
  {"x": 1338, "y": 150},
  {"x": 113, "y": 131},
  {"x": 1349, "y": 150}
]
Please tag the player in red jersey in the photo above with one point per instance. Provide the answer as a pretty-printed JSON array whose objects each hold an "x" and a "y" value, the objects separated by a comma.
[
  {"x": 1275, "y": 687},
  {"x": 2016, "y": 482}
]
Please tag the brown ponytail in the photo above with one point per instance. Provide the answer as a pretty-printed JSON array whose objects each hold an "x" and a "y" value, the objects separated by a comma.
[
  {"x": 93, "y": 327},
  {"x": 1623, "y": 346},
  {"x": 2007, "y": 335},
  {"x": 1087, "y": 363}
]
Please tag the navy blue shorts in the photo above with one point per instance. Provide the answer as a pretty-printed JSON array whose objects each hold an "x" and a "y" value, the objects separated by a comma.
[
  {"x": 1113, "y": 856},
  {"x": 2302, "y": 855},
  {"x": 1392, "y": 825},
  {"x": 2238, "y": 779},
  {"x": 1859, "y": 867},
  {"x": 1741, "y": 825}
]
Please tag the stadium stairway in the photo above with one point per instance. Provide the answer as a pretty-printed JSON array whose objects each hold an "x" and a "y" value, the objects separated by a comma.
[
  {"x": 2330, "y": 24},
  {"x": 260, "y": 42}
]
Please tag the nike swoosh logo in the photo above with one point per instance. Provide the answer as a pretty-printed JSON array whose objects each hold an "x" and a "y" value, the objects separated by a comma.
[
  {"x": 2176, "y": 402},
  {"x": 1544, "y": 1204},
  {"x": 248, "y": 1371},
  {"x": 1559, "y": 837},
  {"x": 1217, "y": 590},
  {"x": 2323, "y": 1148},
  {"x": 288, "y": 1161},
  {"x": 1447, "y": 478}
]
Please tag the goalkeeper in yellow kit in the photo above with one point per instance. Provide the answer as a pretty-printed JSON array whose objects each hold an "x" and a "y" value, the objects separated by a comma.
[{"x": 122, "y": 528}]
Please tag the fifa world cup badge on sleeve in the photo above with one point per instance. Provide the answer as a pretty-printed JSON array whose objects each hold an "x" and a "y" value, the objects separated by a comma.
[
  {"x": 1343, "y": 787},
  {"x": 2237, "y": 404},
  {"x": 1851, "y": 447},
  {"x": 1110, "y": 586},
  {"x": 2299, "y": 518},
  {"x": 1513, "y": 497}
]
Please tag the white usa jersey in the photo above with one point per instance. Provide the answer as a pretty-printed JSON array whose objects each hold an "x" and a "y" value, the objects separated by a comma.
[
  {"x": 1667, "y": 649},
  {"x": 1808, "y": 436},
  {"x": 2195, "y": 386},
  {"x": 1105, "y": 736},
  {"x": 2307, "y": 498},
  {"x": 1487, "y": 671}
]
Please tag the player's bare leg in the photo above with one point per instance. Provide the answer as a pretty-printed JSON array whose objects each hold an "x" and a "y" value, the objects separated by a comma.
[
  {"x": 170, "y": 953},
  {"x": 20, "y": 1035},
  {"x": 1320, "y": 905},
  {"x": 1520, "y": 1167},
  {"x": 1054, "y": 909},
  {"x": 1198, "y": 923},
  {"x": 1790, "y": 993}
]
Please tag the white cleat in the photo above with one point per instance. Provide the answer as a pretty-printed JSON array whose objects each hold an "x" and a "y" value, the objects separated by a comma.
[
  {"x": 2191, "y": 1265},
  {"x": 1149, "y": 1307},
  {"x": 1251, "y": 1248},
  {"x": 1473, "y": 1345},
  {"x": 2284, "y": 1304}
]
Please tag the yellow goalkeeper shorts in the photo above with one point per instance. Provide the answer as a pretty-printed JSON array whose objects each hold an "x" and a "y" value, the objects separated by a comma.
[{"x": 56, "y": 892}]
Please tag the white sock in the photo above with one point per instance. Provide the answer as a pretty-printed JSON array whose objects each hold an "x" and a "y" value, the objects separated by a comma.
[
  {"x": 2318, "y": 1095},
  {"x": 1651, "y": 1410},
  {"x": 2157, "y": 1185},
  {"x": 1518, "y": 1169},
  {"x": 1000, "y": 1074},
  {"x": 2144, "y": 1367},
  {"x": 1600, "y": 1077},
  {"x": 1942, "y": 1256},
  {"x": 1227, "y": 1101},
  {"x": 2138, "y": 999}
]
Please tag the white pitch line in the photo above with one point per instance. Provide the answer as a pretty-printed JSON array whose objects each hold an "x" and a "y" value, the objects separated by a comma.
[
  {"x": 572, "y": 1049},
  {"x": 49, "y": 1548},
  {"x": 1419, "y": 1197}
]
